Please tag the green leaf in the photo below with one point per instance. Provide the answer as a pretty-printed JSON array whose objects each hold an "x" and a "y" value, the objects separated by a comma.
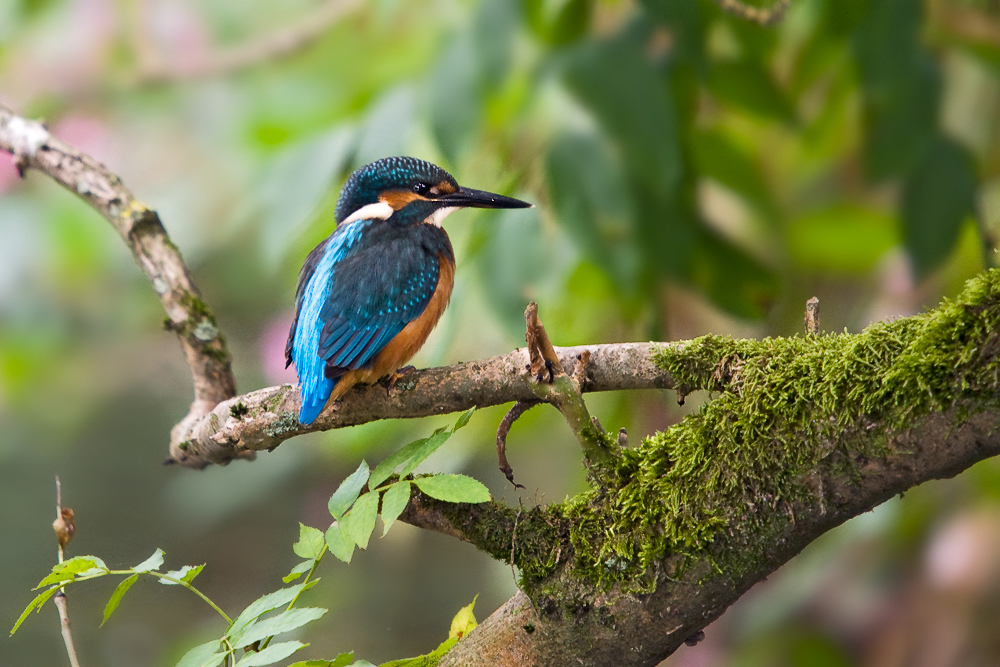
[
  {"x": 73, "y": 568},
  {"x": 385, "y": 468},
  {"x": 348, "y": 491},
  {"x": 359, "y": 523},
  {"x": 454, "y": 488},
  {"x": 428, "y": 447},
  {"x": 276, "y": 625},
  {"x": 185, "y": 574},
  {"x": 203, "y": 655},
  {"x": 298, "y": 571},
  {"x": 937, "y": 198},
  {"x": 747, "y": 85},
  {"x": 393, "y": 503},
  {"x": 267, "y": 603},
  {"x": 271, "y": 654},
  {"x": 616, "y": 81},
  {"x": 827, "y": 240},
  {"x": 732, "y": 278},
  {"x": 35, "y": 604},
  {"x": 464, "y": 621},
  {"x": 454, "y": 97},
  {"x": 151, "y": 563},
  {"x": 117, "y": 596},
  {"x": 463, "y": 419},
  {"x": 594, "y": 204},
  {"x": 721, "y": 159},
  {"x": 310, "y": 544},
  {"x": 339, "y": 543},
  {"x": 342, "y": 660}
]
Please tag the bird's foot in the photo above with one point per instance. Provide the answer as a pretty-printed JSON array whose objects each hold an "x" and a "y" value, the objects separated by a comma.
[{"x": 396, "y": 376}]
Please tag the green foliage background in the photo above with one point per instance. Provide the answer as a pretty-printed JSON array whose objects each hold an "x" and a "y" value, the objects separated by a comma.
[{"x": 693, "y": 172}]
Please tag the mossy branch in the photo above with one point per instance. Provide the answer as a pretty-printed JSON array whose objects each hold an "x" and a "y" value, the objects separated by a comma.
[{"x": 805, "y": 433}]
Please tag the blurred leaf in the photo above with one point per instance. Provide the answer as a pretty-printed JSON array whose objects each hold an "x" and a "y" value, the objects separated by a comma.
[
  {"x": 359, "y": 523},
  {"x": 270, "y": 655},
  {"x": 294, "y": 183},
  {"x": 393, "y": 503},
  {"x": 558, "y": 22},
  {"x": 342, "y": 660},
  {"x": 299, "y": 570},
  {"x": 731, "y": 278},
  {"x": 514, "y": 260},
  {"x": 286, "y": 621},
  {"x": 390, "y": 125},
  {"x": 151, "y": 563},
  {"x": 348, "y": 491},
  {"x": 746, "y": 85},
  {"x": 592, "y": 199},
  {"x": 454, "y": 488},
  {"x": 937, "y": 197},
  {"x": 687, "y": 24},
  {"x": 455, "y": 104},
  {"x": 310, "y": 544},
  {"x": 117, "y": 596},
  {"x": 841, "y": 239},
  {"x": 185, "y": 574},
  {"x": 464, "y": 621},
  {"x": 902, "y": 87},
  {"x": 426, "y": 448},
  {"x": 493, "y": 29},
  {"x": 36, "y": 605},
  {"x": 339, "y": 543},
  {"x": 720, "y": 158},
  {"x": 203, "y": 655},
  {"x": 616, "y": 81},
  {"x": 267, "y": 603}
]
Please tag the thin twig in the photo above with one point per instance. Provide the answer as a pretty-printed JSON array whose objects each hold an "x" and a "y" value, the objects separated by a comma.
[
  {"x": 812, "y": 316},
  {"x": 503, "y": 430},
  {"x": 64, "y": 535},
  {"x": 283, "y": 43}
]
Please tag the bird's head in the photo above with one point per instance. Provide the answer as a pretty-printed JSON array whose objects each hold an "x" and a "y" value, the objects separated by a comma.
[{"x": 406, "y": 190}]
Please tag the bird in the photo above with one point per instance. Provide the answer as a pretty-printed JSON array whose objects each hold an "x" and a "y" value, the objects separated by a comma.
[{"x": 370, "y": 294}]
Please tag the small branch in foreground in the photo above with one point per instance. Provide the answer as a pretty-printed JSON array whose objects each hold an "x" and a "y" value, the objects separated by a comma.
[
  {"x": 563, "y": 390},
  {"x": 64, "y": 527},
  {"x": 812, "y": 316},
  {"x": 204, "y": 348},
  {"x": 503, "y": 430}
]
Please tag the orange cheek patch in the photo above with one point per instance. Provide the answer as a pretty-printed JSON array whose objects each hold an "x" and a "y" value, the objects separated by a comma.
[
  {"x": 445, "y": 188},
  {"x": 397, "y": 199}
]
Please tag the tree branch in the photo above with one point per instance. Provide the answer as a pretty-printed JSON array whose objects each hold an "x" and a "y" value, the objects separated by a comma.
[
  {"x": 281, "y": 44},
  {"x": 265, "y": 418},
  {"x": 204, "y": 348}
]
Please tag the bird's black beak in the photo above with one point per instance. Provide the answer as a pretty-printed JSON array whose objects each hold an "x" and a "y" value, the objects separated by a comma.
[{"x": 467, "y": 197}]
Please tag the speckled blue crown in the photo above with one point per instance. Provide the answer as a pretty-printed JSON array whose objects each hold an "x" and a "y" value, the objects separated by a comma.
[{"x": 365, "y": 184}]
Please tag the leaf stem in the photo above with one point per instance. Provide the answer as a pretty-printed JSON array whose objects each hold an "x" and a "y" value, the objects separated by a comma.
[
  {"x": 309, "y": 574},
  {"x": 185, "y": 584}
]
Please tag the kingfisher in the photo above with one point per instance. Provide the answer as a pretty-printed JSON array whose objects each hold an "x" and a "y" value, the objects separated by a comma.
[{"x": 370, "y": 294}]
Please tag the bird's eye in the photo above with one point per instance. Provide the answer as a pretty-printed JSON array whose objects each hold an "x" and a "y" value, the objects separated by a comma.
[{"x": 421, "y": 188}]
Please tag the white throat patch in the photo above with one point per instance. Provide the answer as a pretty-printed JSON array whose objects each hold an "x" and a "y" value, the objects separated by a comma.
[
  {"x": 439, "y": 215},
  {"x": 378, "y": 211}
]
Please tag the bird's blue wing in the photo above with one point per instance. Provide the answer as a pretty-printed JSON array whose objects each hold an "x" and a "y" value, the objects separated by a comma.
[{"x": 354, "y": 300}]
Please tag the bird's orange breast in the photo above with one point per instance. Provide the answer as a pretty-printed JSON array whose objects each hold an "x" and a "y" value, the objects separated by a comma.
[{"x": 407, "y": 342}]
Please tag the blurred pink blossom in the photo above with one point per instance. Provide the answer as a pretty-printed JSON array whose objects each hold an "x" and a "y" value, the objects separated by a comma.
[
  {"x": 8, "y": 173},
  {"x": 272, "y": 351}
]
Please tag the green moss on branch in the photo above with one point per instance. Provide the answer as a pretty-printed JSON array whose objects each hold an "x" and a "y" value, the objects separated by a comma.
[{"x": 791, "y": 410}]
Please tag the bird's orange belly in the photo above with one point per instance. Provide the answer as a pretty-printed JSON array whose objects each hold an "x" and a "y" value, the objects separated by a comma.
[{"x": 408, "y": 341}]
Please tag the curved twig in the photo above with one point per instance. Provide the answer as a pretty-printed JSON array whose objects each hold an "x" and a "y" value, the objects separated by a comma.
[{"x": 204, "y": 348}]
